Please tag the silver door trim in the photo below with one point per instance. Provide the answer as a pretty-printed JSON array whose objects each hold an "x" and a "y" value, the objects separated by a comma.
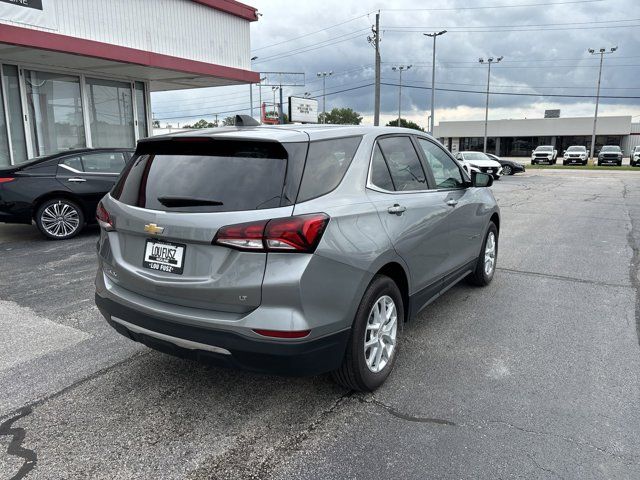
[{"x": 180, "y": 342}]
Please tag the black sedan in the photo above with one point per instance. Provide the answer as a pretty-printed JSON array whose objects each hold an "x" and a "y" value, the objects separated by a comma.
[
  {"x": 60, "y": 192},
  {"x": 508, "y": 167}
]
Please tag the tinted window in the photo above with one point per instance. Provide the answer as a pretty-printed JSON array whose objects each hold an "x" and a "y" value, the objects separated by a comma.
[
  {"x": 219, "y": 176},
  {"x": 404, "y": 164},
  {"x": 103, "y": 162},
  {"x": 327, "y": 162},
  {"x": 444, "y": 169},
  {"x": 73, "y": 162},
  {"x": 380, "y": 175}
]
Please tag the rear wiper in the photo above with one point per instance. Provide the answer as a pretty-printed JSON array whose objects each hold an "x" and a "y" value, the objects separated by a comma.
[{"x": 187, "y": 202}]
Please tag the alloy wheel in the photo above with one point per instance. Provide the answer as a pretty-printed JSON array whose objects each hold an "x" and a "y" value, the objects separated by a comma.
[
  {"x": 490, "y": 254},
  {"x": 380, "y": 334},
  {"x": 60, "y": 219},
  {"x": 506, "y": 170}
]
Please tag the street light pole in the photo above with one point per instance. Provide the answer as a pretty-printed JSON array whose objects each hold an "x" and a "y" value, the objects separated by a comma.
[
  {"x": 602, "y": 52},
  {"x": 324, "y": 76},
  {"x": 260, "y": 96},
  {"x": 433, "y": 78},
  {"x": 400, "y": 69},
  {"x": 490, "y": 60},
  {"x": 275, "y": 105}
]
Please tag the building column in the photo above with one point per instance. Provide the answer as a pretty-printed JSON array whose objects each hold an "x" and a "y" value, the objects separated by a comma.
[{"x": 497, "y": 146}]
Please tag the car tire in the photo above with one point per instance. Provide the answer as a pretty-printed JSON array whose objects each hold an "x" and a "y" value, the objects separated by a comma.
[
  {"x": 59, "y": 219},
  {"x": 359, "y": 370},
  {"x": 481, "y": 276},
  {"x": 619, "y": 164},
  {"x": 507, "y": 170},
  {"x": 565, "y": 163},
  {"x": 584, "y": 164}
]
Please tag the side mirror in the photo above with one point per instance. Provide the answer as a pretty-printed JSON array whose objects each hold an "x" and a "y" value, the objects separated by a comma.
[{"x": 479, "y": 179}]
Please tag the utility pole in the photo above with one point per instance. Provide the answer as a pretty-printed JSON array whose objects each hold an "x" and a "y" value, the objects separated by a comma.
[
  {"x": 324, "y": 76},
  {"x": 433, "y": 78},
  {"x": 375, "y": 41},
  {"x": 400, "y": 69},
  {"x": 602, "y": 52},
  {"x": 490, "y": 60},
  {"x": 251, "y": 90},
  {"x": 281, "y": 113}
]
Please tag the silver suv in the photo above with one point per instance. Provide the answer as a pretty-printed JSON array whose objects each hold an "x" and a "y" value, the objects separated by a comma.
[{"x": 291, "y": 250}]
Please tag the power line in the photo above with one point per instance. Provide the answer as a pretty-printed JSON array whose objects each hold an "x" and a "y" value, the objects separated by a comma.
[
  {"x": 516, "y": 94},
  {"x": 307, "y": 48},
  {"x": 518, "y": 29},
  {"x": 484, "y": 7},
  {"x": 311, "y": 33},
  {"x": 453, "y": 27}
]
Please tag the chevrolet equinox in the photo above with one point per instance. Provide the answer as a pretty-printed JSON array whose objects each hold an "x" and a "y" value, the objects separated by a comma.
[{"x": 291, "y": 250}]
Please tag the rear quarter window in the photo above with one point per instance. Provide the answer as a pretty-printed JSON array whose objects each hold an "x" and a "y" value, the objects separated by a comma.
[{"x": 327, "y": 162}]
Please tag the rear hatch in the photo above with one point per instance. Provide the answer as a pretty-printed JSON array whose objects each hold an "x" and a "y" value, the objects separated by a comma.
[{"x": 172, "y": 199}]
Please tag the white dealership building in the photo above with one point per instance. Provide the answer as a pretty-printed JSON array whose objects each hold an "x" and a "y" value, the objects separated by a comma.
[
  {"x": 517, "y": 138},
  {"x": 77, "y": 73}
]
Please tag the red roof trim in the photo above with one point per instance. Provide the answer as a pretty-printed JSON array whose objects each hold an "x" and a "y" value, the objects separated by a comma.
[
  {"x": 26, "y": 37},
  {"x": 231, "y": 6}
]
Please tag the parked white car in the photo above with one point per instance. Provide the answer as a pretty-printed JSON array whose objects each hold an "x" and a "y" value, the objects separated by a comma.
[
  {"x": 479, "y": 161},
  {"x": 575, "y": 154},
  {"x": 544, "y": 153},
  {"x": 635, "y": 157}
]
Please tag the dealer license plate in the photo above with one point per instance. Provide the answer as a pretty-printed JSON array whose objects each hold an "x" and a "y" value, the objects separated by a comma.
[{"x": 164, "y": 256}]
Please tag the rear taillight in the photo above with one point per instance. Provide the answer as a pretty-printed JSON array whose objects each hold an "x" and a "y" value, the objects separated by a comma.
[
  {"x": 103, "y": 217},
  {"x": 6, "y": 179},
  {"x": 300, "y": 234}
]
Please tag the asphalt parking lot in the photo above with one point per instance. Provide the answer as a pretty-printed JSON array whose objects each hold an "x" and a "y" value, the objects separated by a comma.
[{"x": 536, "y": 376}]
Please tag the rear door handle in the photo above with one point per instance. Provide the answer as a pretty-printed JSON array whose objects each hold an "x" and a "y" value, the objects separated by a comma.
[
  {"x": 452, "y": 202},
  {"x": 77, "y": 180},
  {"x": 396, "y": 209}
]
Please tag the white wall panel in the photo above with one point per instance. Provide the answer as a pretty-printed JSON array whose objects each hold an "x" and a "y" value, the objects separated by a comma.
[{"x": 179, "y": 28}]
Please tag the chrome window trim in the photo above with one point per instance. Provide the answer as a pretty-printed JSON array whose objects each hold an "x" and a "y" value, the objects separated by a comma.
[{"x": 71, "y": 169}]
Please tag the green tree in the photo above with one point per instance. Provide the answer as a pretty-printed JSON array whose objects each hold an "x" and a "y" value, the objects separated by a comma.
[
  {"x": 341, "y": 116},
  {"x": 229, "y": 121},
  {"x": 155, "y": 124},
  {"x": 202, "y": 123},
  {"x": 406, "y": 124}
]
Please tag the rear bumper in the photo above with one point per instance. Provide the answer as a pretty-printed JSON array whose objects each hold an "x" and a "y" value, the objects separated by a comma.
[{"x": 225, "y": 348}]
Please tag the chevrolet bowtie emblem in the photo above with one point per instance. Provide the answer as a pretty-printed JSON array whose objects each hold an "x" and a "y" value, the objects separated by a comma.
[{"x": 153, "y": 228}]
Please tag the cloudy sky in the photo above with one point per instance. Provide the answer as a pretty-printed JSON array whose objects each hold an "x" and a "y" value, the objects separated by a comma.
[{"x": 544, "y": 44}]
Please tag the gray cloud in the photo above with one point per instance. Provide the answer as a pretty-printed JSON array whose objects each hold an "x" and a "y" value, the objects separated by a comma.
[{"x": 536, "y": 61}]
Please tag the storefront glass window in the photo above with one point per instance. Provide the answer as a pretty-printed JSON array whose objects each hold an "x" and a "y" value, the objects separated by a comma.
[
  {"x": 14, "y": 107},
  {"x": 5, "y": 158},
  {"x": 110, "y": 113},
  {"x": 55, "y": 112}
]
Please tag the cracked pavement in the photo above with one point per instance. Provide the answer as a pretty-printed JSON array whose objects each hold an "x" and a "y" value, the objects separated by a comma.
[{"x": 535, "y": 376}]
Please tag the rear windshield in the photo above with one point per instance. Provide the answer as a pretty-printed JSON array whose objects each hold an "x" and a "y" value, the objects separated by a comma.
[
  {"x": 216, "y": 176},
  {"x": 475, "y": 156}
]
